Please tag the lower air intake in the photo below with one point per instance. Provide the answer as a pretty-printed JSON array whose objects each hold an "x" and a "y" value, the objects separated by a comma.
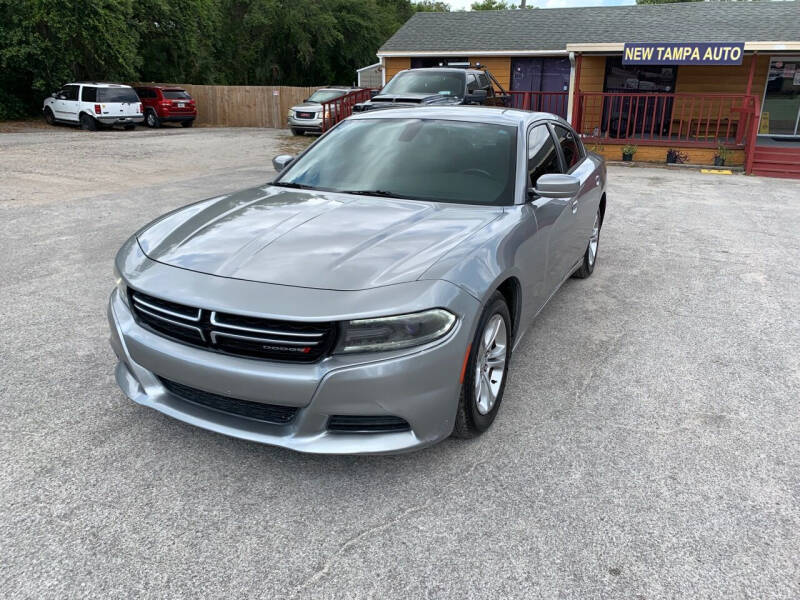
[
  {"x": 267, "y": 413},
  {"x": 367, "y": 424}
]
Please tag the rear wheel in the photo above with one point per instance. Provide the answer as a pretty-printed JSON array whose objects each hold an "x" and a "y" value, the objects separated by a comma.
[
  {"x": 187, "y": 123},
  {"x": 88, "y": 123},
  {"x": 152, "y": 120},
  {"x": 486, "y": 370},
  {"x": 49, "y": 117},
  {"x": 590, "y": 256}
]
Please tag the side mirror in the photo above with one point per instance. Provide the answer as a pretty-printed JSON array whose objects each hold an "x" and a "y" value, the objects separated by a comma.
[
  {"x": 53, "y": 95},
  {"x": 556, "y": 185},
  {"x": 373, "y": 93},
  {"x": 280, "y": 162},
  {"x": 477, "y": 96}
]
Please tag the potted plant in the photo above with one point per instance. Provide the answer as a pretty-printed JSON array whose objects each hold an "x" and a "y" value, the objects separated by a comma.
[
  {"x": 628, "y": 151},
  {"x": 721, "y": 156},
  {"x": 676, "y": 157}
]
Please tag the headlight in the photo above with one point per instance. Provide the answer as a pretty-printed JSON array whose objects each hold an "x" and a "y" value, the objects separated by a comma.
[
  {"x": 393, "y": 333},
  {"x": 291, "y": 112}
]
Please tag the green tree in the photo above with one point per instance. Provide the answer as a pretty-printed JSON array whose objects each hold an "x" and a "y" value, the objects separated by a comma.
[
  {"x": 490, "y": 5},
  {"x": 431, "y": 6},
  {"x": 48, "y": 42},
  {"x": 664, "y": 1}
]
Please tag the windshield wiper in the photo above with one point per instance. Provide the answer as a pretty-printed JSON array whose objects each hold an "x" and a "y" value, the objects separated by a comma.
[
  {"x": 292, "y": 184},
  {"x": 381, "y": 193}
]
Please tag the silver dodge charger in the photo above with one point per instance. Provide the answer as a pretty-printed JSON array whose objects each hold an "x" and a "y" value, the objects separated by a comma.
[{"x": 369, "y": 298}]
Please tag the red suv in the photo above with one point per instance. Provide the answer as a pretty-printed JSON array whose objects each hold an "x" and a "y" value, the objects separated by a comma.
[{"x": 163, "y": 104}]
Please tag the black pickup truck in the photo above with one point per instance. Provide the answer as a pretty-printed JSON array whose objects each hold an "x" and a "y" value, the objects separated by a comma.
[{"x": 437, "y": 86}]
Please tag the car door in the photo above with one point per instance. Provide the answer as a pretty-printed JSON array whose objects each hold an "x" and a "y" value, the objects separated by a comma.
[
  {"x": 584, "y": 206},
  {"x": 553, "y": 216},
  {"x": 65, "y": 108}
]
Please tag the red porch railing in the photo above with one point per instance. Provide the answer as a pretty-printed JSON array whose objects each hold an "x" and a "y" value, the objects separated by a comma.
[
  {"x": 340, "y": 108},
  {"x": 551, "y": 102},
  {"x": 704, "y": 120}
]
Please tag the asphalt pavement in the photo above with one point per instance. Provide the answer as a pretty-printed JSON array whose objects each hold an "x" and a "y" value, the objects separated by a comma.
[{"x": 648, "y": 445}]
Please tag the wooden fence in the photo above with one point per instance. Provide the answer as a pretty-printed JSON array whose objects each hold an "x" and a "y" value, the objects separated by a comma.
[{"x": 244, "y": 105}]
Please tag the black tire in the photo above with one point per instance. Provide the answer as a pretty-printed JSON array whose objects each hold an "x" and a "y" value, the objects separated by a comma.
[
  {"x": 130, "y": 126},
  {"x": 49, "y": 117},
  {"x": 88, "y": 123},
  {"x": 187, "y": 123},
  {"x": 297, "y": 131},
  {"x": 470, "y": 421},
  {"x": 151, "y": 119},
  {"x": 590, "y": 257}
]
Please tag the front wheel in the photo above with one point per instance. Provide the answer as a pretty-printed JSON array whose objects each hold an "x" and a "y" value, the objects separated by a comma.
[
  {"x": 49, "y": 117},
  {"x": 590, "y": 256},
  {"x": 485, "y": 371}
]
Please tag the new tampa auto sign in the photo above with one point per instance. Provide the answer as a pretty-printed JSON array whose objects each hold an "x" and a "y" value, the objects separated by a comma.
[{"x": 701, "y": 53}]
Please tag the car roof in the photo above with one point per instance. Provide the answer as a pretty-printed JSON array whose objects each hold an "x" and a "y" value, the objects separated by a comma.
[
  {"x": 101, "y": 84},
  {"x": 477, "y": 114},
  {"x": 165, "y": 88},
  {"x": 444, "y": 69}
]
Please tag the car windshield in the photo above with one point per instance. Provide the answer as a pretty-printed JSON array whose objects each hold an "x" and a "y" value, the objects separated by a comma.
[
  {"x": 325, "y": 95},
  {"x": 418, "y": 159},
  {"x": 116, "y": 95},
  {"x": 176, "y": 95},
  {"x": 426, "y": 82}
]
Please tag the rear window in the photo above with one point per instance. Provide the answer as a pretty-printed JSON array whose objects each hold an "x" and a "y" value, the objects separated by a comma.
[
  {"x": 116, "y": 95},
  {"x": 176, "y": 95}
]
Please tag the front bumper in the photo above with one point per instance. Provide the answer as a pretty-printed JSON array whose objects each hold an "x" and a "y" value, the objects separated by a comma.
[
  {"x": 420, "y": 385},
  {"x": 310, "y": 125}
]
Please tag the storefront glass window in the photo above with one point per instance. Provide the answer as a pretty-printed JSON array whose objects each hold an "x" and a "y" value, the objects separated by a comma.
[{"x": 780, "y": 113}]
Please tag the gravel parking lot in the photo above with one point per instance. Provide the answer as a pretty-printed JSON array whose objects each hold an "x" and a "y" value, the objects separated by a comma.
[{"x": 648, "y": 445}]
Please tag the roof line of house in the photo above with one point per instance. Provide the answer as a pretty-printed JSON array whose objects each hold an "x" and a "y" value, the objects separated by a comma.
[{"x": 779, "y": 46}]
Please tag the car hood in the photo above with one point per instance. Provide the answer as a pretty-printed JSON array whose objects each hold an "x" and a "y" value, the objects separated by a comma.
[
  {"x": 405, "y": 100},
  {"x": 309, "y": 106},
  {"x": 312, "y": 239}
]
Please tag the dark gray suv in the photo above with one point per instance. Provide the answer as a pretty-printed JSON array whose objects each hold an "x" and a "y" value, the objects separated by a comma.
[{"x": 441, "y": 86}]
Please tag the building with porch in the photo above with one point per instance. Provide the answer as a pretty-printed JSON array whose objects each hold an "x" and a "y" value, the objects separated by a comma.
[{"x": 691, "y": 77}]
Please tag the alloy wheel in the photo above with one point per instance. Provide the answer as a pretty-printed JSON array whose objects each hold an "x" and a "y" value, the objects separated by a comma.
[{"x": 490, "y": 365}]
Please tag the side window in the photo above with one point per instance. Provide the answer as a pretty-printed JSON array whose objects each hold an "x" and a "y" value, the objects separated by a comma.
[
  {"x": 89, "y": 94},
  {"x": 542, "y": 154},
  {"x": 483, "y": 81},
  {"x": 70, "y": 92},
  {"x": 472, "y": 83},
  {"x": 573, "y": 154}
]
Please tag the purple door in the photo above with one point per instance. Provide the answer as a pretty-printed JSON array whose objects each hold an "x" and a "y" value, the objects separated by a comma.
[{"x": 541, "y": 75}]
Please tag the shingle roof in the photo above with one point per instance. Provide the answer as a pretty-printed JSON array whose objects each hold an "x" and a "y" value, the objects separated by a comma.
[{"x": 554, "y": 28}]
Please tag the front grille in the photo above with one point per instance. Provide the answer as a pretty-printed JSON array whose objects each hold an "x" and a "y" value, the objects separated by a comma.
[
  {"x": 251, "y": 337},
  {"x": 367, "y": 424},
  {"x": 305, "y": 115},
  {"x": 268, "y": 413}
]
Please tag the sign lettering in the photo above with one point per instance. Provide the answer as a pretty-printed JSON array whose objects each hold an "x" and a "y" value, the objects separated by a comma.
[{"x": 700, "y": 53}]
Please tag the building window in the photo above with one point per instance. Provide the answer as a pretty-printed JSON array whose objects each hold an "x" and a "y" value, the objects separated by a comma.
[{"x": 638, "y": 78}]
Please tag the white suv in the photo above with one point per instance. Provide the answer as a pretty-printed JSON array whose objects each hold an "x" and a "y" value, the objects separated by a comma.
[{"x": 90, "y": 104}]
